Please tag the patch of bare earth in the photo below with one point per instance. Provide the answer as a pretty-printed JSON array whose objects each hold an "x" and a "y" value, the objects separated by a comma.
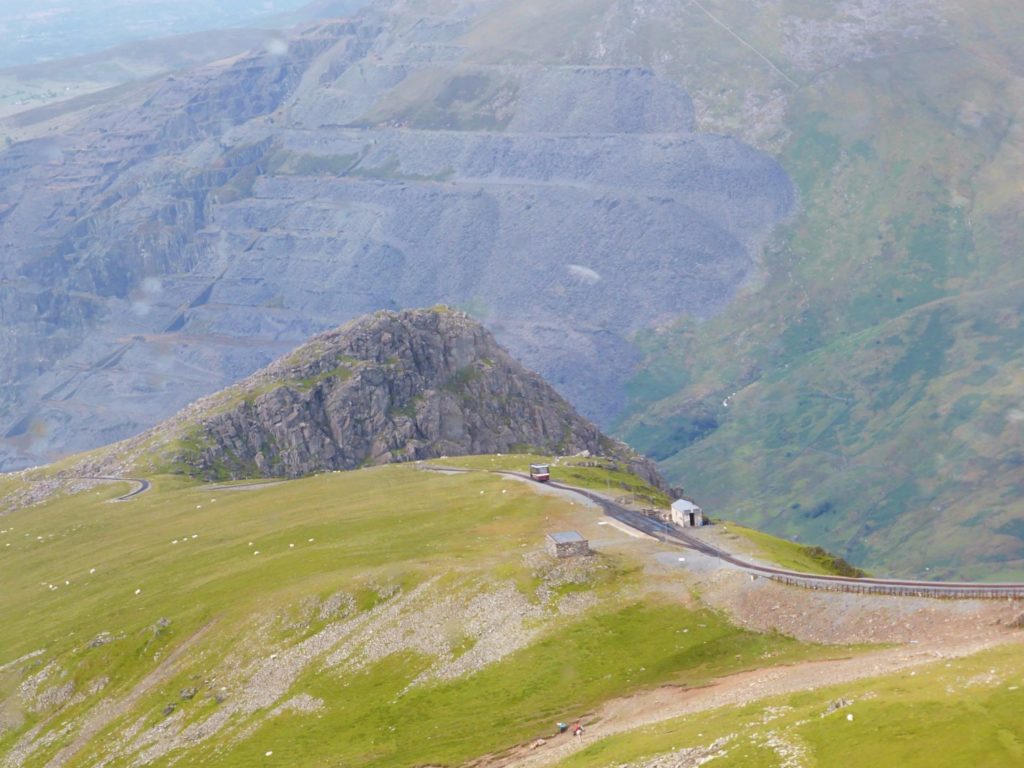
[{"x": 839, "y": 618}]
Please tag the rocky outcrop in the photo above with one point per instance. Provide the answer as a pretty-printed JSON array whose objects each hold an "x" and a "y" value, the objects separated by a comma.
[{"x": 387, "y": 387}]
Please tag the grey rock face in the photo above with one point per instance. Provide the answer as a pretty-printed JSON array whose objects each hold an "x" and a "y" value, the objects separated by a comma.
[
  {"x": 178, "y": 239},
  {"x": 388, "y": 387}
]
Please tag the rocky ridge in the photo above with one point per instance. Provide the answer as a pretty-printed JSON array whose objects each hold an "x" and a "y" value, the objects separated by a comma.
[{"x": 388, "y": 387}]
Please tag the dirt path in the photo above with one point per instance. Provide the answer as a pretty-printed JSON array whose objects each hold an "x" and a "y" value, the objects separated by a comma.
[{"x": 669, "y": 702}]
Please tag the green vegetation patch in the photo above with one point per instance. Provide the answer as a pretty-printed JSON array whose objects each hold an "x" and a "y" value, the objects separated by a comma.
[
  {"x": 380, "y": 721},
  {"x": 789, "y": 554}
]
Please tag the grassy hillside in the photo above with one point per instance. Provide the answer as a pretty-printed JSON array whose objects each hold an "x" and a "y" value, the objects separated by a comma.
[
  {"x": 862, "y": 392},
  {"x": 386, "y": 616},
  {"x": 787, "y": 554},
  {"x": 912, "y": 719}
]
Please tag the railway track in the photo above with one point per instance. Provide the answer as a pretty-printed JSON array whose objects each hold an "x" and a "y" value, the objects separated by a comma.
[
  {"x": 671, "y": 534},
  {"x": 141, "y": 485}
]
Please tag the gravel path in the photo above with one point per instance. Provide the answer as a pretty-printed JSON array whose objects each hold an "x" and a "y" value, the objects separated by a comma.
[{"x": 669, "y": 702}]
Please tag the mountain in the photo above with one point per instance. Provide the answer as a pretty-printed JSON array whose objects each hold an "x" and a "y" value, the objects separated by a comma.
[
  {"x": 33, "y": 77},
  {"x": 48, "y": 30},
  {"x": 390, "y": 387},
  {"x": 862, "y": 394},
  {"x": 163, "y": 244},
  {"x": 774, "y": 248},
  {"x": 83, "y": 81}
]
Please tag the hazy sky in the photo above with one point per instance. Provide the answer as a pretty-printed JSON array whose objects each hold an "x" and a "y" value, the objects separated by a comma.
[{"x": 38, "y": 30}]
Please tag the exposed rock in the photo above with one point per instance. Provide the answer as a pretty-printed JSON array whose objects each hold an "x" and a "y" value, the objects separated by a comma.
[
  {"x": 687, "y": 758},
  {"x": 389, "y": 387},
  {"x": 837, "y": 704},
  {"x": 103, "y": 638},
  {"x": 161, "y": 624}
]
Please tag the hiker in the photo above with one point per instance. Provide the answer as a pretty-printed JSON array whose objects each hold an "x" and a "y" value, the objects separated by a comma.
[
  {"x": 563, "y": 727},
  {"x": 577, "y": 729}
]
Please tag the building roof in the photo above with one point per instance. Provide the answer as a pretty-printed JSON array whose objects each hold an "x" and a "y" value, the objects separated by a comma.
[
  {"x": 685, "y": 505},
  {"x": 565, "y": 537}
]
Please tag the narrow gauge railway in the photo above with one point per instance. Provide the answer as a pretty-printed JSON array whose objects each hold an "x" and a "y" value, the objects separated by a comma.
[{"x": 671, "y": 534}]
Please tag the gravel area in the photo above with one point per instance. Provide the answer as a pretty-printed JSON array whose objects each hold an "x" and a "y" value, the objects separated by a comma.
[
  {"x": 550, "y": 490},
  {"x": 686, "y": 758},
  {"x": 842, "y": 618}
]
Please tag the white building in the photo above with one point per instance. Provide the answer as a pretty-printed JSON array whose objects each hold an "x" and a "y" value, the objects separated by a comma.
[{"x": 686, "y": 514}]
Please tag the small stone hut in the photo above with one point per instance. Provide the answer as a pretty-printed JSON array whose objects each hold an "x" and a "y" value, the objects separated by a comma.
[
  {"x": 566, "y": 544},
  {"x": 686, "y": 514}
]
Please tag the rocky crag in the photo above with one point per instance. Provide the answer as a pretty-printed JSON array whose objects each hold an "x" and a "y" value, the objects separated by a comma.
[
  {"x": 387, "y": 387},
  {"x": 160, "y": 244}
]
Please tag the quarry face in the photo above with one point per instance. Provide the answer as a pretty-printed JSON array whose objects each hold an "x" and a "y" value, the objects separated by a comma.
[{"x": 178, "y": 237}]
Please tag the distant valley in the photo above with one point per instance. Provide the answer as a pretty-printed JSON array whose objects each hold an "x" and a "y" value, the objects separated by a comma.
[{"x": 45, "y": 30}]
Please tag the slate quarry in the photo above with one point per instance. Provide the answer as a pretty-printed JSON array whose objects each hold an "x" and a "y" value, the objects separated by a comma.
[{"x": 179, "y": 236}]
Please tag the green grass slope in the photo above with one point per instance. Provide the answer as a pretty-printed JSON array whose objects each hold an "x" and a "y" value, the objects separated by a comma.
[
  {"x": 952, "y": 714},
  {"x": 382, "y": 617},
  {"x": 787, "y": 554},
  {"x": 864, "y": 392}
]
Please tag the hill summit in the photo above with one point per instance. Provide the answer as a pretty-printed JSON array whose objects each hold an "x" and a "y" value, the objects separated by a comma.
[{"x": 387, "y": 387}]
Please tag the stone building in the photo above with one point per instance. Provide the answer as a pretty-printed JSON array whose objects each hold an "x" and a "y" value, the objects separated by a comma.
[
  {"x": 686, "y": 514},
  {"x": 566, "y": 544}
]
